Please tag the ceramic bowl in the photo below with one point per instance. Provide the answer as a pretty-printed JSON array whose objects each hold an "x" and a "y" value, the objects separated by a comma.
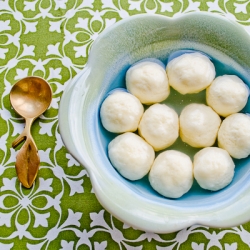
[{"x": 114, "y": 51}]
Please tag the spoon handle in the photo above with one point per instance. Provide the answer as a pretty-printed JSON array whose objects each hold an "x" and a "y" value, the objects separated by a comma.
[
  {"x": 26, "y": 132},
  {"x": 27, "y": 159},
  {"x": 19, "y": 139}
]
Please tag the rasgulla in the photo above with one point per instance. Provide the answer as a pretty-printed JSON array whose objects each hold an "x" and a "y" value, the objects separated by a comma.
[
  {"x": 190, "y": 73},
  {"x": 234, "y": 135},
  {"x": 213, "y": 168},
  {"x": 227, "y": 95},
  {"x": 148, "y": 82},
  {"x": 199, "y": 125},
  {"x": 159, "y": 126},
  {"x": 171, "y": 174},
  {"x": 131, "y": 155},
  {"x": 121, "y": 112}
]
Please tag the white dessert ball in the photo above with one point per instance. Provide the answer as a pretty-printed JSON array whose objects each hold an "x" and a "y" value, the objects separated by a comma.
[
  {"x": 227, "y": 95},
  {"x": 234, "y": 135},
  {"x": 190, "y": 73},
  {"x": 171, "y": 174},
  {"x": 199, "y": 125},
  {"x": 131, "y": 155},
  {"x": 159, "y": 126},
  {"x": 213, "y": 168},
  {"x": 121, "y": 112},
  {"x": 148, "y": 82}
]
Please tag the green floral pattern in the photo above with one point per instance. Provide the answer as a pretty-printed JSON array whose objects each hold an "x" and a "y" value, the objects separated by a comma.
[{"x": 51, "y": 39}]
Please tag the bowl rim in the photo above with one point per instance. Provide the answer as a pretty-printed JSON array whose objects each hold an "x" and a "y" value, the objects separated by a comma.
[{"x": 228, "y": 215}]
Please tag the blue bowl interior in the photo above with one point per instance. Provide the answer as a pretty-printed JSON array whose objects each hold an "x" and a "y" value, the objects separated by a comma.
[{"x": 201, "y": 197}]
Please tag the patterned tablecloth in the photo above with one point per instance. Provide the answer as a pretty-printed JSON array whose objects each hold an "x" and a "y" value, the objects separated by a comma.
[{"x": 51, "y": 39}]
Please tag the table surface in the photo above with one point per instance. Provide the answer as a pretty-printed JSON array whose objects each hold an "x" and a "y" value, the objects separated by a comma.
[{"x": 51, "y": 39}]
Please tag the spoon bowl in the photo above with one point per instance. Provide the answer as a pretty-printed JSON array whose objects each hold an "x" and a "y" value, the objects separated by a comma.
[{"x": 30, "y": 97}]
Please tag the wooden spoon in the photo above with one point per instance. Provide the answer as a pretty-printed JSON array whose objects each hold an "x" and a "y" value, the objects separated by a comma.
[{"x": 30, "y": 97}]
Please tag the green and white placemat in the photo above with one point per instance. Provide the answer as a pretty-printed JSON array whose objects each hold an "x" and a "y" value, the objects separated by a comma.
[{"x": 51, "y": 39}]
